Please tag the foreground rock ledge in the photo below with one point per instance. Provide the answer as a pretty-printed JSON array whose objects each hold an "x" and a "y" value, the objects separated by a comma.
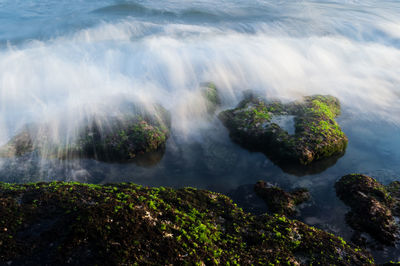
[
  {"x": 80, "y": 224},
  {"x": 255, "y": 125}
]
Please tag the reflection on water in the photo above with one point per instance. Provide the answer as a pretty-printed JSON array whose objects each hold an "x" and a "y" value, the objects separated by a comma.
[{"x": 314, "y": 168}]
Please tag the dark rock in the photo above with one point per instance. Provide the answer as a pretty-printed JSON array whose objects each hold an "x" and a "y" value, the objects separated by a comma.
[
  {"x": 358, "y": 239},
  {"x": 257, "y": 125},
  {"x": 279, "y": 201},
  {"x": 371, "y": 207},
  {"x": 394, "y": 190},
  {"x": 125, "y": 224}
]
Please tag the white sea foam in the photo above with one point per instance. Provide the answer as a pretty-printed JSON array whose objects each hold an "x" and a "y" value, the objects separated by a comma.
[{"x": 66, "y": 78}]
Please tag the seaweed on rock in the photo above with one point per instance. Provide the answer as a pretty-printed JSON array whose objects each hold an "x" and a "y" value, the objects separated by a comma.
[
  {"x": 373, "y": 206},
  {"x": 317, "y": 136},
  {"x": 119, "y": 138},
  {"x": 114, "y": 224}
]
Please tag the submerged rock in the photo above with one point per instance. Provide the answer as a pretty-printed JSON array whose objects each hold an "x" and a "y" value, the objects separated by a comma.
[
  {"x": 372, "y": 206},
  {"x": 115, "y": 138},
  {"x": 115, "y": 224},
  {"x": 279, "y": 201},
  {"x": 255, "y": 125}
]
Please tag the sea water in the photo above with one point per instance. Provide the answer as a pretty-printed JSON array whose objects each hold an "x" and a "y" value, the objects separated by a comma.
[{"x": 62, "y": 61}]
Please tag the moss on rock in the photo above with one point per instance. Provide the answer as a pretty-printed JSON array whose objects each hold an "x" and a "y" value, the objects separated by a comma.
[
  {"x": 317, "y": 135},
  {"x": 371, "y": 205},
  {"x": 116, "y": 138},
  {"x": 126, "y": 140},
  {"x": 117, "y": 224}
]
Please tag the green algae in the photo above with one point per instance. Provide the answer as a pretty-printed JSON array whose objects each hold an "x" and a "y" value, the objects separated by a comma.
[
  {"x": 125, "y": 142},
  {"x": 118, "y": 224}
]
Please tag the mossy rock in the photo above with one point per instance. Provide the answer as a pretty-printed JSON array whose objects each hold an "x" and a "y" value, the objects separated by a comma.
[
  {"x": 126, "y": 224},
  {"x": 115, "y": 138},
  {"x": 371, "y": 206},
  {"x": 210, "y": 93},
  {"x": 255, "y": 125},
  {"x": 124, "y": 139},
  {"x": 280, "y": 201}
]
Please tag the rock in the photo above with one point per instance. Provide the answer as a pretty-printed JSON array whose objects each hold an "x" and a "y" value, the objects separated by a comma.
[
  {"x": 210, "y": 94},
  {"x": 124, "y": 140},
  {"x": 115, "y": 224},
  {"x": 253, "y": 124},
  {"x": 371, "y": 207},
  {"x": 115, "y": 138},
  {"x": 394, "y": 190},
  {"x": 279, "y": 201},
  {"x": 22, "y": 143}
]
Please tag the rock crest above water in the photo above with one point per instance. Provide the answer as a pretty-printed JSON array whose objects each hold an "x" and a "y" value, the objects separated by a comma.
[
  {"x": 120, "y": 137},
  {"x": 317, "y": 135}
]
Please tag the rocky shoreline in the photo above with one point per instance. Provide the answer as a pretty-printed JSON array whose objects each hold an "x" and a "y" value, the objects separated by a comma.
[{"x": 125, "y": 224}]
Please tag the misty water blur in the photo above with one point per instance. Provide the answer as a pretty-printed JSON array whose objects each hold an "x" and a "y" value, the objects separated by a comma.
[{"x": 62, "y": 62}]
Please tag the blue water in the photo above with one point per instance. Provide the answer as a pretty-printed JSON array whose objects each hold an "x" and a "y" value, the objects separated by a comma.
[{"x": 62, "y": 61}]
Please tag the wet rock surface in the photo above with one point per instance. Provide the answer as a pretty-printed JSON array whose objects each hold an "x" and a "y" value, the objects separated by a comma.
[
  {"x": 280, "y": 201},
  {"x": 373, "y": 206},
  {"x": 122, "y": 137},
  {"x": 114, "y": 224},
  {"x": 254, "y": 124},
  {"x": 125, "y": 139}
]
